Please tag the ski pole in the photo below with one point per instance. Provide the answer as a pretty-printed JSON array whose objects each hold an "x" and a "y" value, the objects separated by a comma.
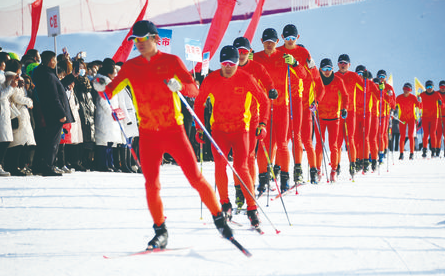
[
  {"x": 222, "y": 155},
  {"x": 348, "y": 147},
  {"x": 200, "y": 157},
  {"x": 317, "y": 123},
  {"x": 276, "y": 182},
  {"x": 291, "y": 118},
  {"x": 365, "y": 78},
  {"x": 133, "y": 153},
  {"x": 380, "y": 134}
]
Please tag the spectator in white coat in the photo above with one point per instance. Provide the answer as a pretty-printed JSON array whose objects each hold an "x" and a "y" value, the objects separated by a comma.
[
  {"x": 7, "y": 87},
  {"x": 107, "y": 131}
]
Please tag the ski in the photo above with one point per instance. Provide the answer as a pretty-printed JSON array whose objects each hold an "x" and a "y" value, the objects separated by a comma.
[
  {"x": 240, "y": 247},
  {"x": 287, "y": 192},
  {"x": 258, "y": 229},
  {"x": 145, "y": 252}
]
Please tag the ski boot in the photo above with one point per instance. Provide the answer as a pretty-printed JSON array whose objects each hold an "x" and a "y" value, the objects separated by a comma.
[
  {"x": 424, "y": 152},
  {"x": 276, "y": 171},
  {"x": 284, "y": 177},
  {"x": 333, "y": 176},
  {"x": 160, "y": 239},
  {"x": 263, "y": 178},
  {"x": 298, "y": 174},
  {"x": 437, "y": 152},
  {"x": 373, "y": 165},
  {"x": 359, "y": 165},
  {"x": 318, "y": 175},
  {"x": 401, "y": 156},
  {"x": 434, "y": 152},
  {"x": 227, "y": 210},
  {"x": 338, "y": 169},
  {"x": 411, "y": 156},
  {"x": 253, "y": 217},
  {"x": 381, "y": 156},
  {"x": 365, "y": 165},
  {"x": 221, "y": 225},
  {"x": 351, "y": 169},
  {"x": 314, "y": 176},
  {"x": 239, "y": 201}
]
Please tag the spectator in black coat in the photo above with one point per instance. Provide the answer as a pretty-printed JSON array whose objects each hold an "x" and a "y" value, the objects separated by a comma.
[{"x": 55, "y": 109}]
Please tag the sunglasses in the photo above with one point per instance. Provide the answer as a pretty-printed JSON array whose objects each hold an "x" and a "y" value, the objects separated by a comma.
[
  {"x": 228, "y": 64},
  {"x": 407, "y": 89},
  {"x": 243, "y": 51},
  {"x": 343, "y": 62},
  {"x": 142, "y": 39},
  {"x": 381, "y": 76},
  {"x": 325, "y": 69},
  {"x": 429, "y": 87},
  {"x": 442, "y": 87},
  {"x": 360, "y": 73},
  {"x": 291, "y": 37}
]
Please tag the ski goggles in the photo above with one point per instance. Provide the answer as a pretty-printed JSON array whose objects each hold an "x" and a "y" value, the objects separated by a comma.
[
  {"x": 243, "y": 51},
  {"x": 360, "y": 73},
  {"x": 429, "y": 87},
  {"x": 291, "y": 37},
  {"x": 228, "y": 64},
  {"x": 442, "y": 87},
  {"x": 142, "y": 39},
  {"x": 327, "y": 68},
  {"x": 407, "y": 89},
  {"x": 343, "y": 62},
  {"x": 381, "y": 76}
]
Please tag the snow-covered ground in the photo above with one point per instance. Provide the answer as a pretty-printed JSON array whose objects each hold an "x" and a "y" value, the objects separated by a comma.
[{"x": 387, "y": 224}]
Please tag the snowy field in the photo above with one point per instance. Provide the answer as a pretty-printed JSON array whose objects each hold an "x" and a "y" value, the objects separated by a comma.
[{"x": 387, "y": 224}]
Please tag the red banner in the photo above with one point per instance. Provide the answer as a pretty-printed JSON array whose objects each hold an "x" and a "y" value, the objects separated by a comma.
[
  {"x": 125, "y": 49},
  {"x": 250, "y": 32},
  {"x": 218, "y": 28},
  {"x": 36, "y": 7}
]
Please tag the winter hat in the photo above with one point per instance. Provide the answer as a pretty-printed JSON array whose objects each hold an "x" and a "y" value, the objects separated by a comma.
[
  {"x": 381, "y": 73},
  {"x": 368, "y": 75},
  {"x": 270, "y": 34},
  {"x": 242, "y": 43},
  {"x": 429, "y": 83},
  {"x": 290, "y": 30},
  {"x": 344, "y": 58},
  {"x": 230, "y": 54},
  {"x": 408, "y": 85},
  {"x": 31, "y": 67},
  {"x": 358, "y": 69},
  {"x": 326, "y": 62},
  {"x": 442, "y": 83},
  {"x": 143, "y": 28},
  {"x": 13, "y": 55}
]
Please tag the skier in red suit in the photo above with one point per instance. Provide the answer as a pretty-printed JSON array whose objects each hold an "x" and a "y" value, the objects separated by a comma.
[
  {"x": 333, "y": 106},
  {"x": 161, "y": 123},
  {"x": 441, "y": 123},
  {"x": 407, "y": 103},
  {"x": 263, "y": 78},
  {"x": 354, "y": 86},
  {"x": 313, "y": 91},
  {"x": 279, "y": 69},
  {"x": 431, "y": 101},
  {"x": 231, "y": 92}
]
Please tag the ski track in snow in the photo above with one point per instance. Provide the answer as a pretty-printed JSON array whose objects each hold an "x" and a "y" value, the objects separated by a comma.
[{"x": 390, "y": 224}]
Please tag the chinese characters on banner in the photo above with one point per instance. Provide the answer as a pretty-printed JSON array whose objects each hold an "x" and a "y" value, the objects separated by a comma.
[
  {"x": 164, "y": 44},
  {"x": 193, "y": 50}
]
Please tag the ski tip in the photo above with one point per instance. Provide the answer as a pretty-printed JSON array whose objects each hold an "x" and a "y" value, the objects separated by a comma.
[{"x": 277, "y": 231}]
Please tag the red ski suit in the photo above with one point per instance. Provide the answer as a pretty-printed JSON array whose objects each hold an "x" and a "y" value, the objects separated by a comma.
[
  {"x": 430, "y": 117},
  {"x": 263, "y": 78},
  {"x": 388, "y": 104},
  {"x": 407, "y": 116},
  {"x": 335, "y": 99},
  {"x": 363, "y": 118},
  {"x": 231, "y": 99},
  {"x": 354, "y": 85},
  {"x": 313, "y": 90},
  {"x": 279, "y": 119},
  {"x": 441, "y": 124},
  {"x": 161, "y": 124}
]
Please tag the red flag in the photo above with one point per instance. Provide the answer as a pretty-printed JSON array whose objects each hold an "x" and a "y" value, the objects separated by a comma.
[
  {"x": 254, "y": 21},
  {"x": 218, "y": 28},
  {"x": 35, "y": 14},
  {"x": 124, "y": 50}
]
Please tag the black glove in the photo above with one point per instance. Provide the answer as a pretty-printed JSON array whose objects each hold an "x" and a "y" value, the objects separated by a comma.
[
  {"x": 273, "y": 94},
  {"x": 439, "y": 102},
  {"x": 344, "y": 113}
]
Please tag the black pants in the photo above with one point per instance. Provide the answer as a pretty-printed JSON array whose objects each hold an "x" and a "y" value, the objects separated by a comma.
[
  {"x": 53, "y": 134},
  {"x": 3, "y": 148}
]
